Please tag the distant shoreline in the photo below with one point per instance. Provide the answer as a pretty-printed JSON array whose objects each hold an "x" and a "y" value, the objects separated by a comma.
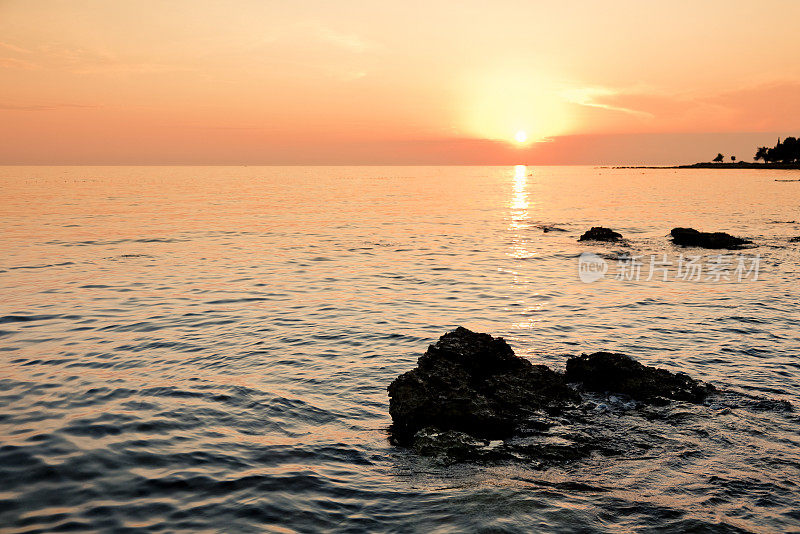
[{"x": 709, "y": 165}]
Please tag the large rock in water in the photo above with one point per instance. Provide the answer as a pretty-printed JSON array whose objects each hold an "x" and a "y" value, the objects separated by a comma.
[
  {"x": 599, "y": 233},
  {"x": 618, "y": 373},
  {"x": 689, "y": 237},
  {"x": 473, "y": 383},
  {"x": 470, "y": 388}
]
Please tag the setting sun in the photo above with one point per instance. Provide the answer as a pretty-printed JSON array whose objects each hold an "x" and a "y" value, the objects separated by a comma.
[{"x": 520, "y": 137}]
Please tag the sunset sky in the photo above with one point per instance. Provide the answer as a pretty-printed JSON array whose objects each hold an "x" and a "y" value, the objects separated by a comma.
[{"x": 268, "y": 82}]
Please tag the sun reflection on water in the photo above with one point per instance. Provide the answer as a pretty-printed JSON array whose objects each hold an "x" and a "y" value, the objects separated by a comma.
[{"x": 519, "y": 216}]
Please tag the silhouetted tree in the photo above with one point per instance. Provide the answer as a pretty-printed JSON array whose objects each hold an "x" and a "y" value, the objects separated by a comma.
[
  {"x": 733, "y": 158},
  {"x": 718, "y": 159},
  {"x": 790, "y": 150},
  {"x": 786, "y": 151}
]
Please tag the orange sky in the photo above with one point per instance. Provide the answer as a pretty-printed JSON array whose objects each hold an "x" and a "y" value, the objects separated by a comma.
[{"x": 260, "y": 81}]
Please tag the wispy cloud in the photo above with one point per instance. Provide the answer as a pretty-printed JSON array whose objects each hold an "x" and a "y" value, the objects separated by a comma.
[
  {"x": 598, "y": 97},
  {"x": 14, "y": 48},
  {"x": 328, "y": 35},
  {"x": 764, "y": 107},
  {"x": 43, "y": 107},
  {"x": 79, "y": 60},
  {"x": 14, "y": 63}
]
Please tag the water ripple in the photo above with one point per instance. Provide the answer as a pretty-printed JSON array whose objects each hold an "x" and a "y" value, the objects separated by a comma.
[{"x": 214, "y": 357}]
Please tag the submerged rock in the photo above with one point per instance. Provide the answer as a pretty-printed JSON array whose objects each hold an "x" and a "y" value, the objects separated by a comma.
[
  {"x": 599, "y": 233},
  {"x": 454, "y": 446},
  {"x": 546, "y": 228},
  {"x": 543, "y": 448},
  {"x": 471, "y": 398},
  {"x": 689, "y": 237},
  {"x": 618, "y": 373},
  {"x": 473, "y": 383}
]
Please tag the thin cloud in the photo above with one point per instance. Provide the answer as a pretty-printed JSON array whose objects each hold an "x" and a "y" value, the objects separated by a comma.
[
  {"x": 14, "y": 63},
  {"x": 347, "y": 41},
  {"x": 765, "y": 107},
  {"x": 79, "y": 60},
  {"x": 7, "y": 62},
  {"x": 14, "y": 48},
  {"x": 594, "y": 96},
  {"x": 43, "y": 107}
]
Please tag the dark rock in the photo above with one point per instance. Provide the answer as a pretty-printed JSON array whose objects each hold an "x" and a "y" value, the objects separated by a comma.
[
  {"x": 599, "y": 233},
  {"x": 470, "y": 398},
  {"x": 549, "y": 450},
  {"x": 689, "y": 237},
  {"x": 794, "y": 239},
  {"x": 451, "y": 446},
  {"x": 454, "y": 446},
  {"x": 473, "y": 383},
  {"x": 618, "y": 373},
  {"x": 546, "y": 228}
]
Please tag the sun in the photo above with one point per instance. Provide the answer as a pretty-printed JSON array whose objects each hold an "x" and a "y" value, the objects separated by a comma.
[{"x": 520, "y": 137}]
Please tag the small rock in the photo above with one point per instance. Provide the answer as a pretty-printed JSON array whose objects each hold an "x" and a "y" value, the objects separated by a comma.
[
  {"x": 546, "y": 228},
  {"x": 450, "y": 445},
  {"x": 689, "y": 237},
  {"x": 599, "y": 233},
  {"x": 794, "y": 239}
]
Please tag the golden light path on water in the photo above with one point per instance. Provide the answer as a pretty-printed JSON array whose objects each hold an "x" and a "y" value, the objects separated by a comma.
[{"x": 519, "y": 215}]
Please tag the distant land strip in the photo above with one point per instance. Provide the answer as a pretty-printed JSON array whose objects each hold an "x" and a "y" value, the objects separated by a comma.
[{"x": 711, "y": 165}]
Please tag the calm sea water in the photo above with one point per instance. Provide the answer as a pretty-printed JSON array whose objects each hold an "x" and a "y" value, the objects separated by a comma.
[{"x": 207, "y": 348}]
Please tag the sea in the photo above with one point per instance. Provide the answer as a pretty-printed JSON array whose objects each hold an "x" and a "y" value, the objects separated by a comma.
[{"x": 207, "y": 349}]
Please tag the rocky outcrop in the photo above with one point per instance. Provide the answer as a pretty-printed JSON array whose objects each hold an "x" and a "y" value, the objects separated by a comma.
[
  {"x": 471, "y": 398},
  {"x": 607, "y": 372},
  {"x": 689, "y": 237},
  {"x": 599, "y": 233},
  {"x": 473, "y": 383}
]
